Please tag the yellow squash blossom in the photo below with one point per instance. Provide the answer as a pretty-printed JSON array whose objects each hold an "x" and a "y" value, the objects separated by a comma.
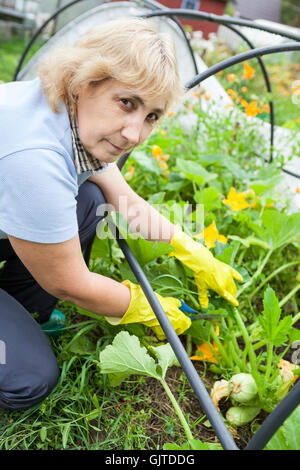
[
  {"x": 210, "y": 235},
  {"x": 236, "y": 201},
  {"x": 219, "y": 390},
  {"x": 249, "y": 71},
  {"x": 204, "y": 353},
  {"x": 286, "y": 371}
]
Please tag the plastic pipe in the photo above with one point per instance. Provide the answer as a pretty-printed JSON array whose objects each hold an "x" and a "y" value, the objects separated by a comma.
[{"x": 196, "y": 383}]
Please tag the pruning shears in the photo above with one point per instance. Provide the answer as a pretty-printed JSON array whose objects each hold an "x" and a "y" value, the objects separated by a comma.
[{"x": 194, "y": 315}]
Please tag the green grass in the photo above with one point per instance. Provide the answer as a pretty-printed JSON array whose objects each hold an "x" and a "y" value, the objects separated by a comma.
[{"x": 10, "y": 54}]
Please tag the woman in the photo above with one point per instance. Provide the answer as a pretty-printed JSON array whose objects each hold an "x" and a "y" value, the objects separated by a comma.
[{"x": 61, "y": 135}]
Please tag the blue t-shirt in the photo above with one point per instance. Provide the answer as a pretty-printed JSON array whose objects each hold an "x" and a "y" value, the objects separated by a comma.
[{"x": 38, "y": 179}]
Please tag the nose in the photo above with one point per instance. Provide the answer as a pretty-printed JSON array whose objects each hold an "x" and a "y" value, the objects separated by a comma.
[{"x": 132, "y": 132}]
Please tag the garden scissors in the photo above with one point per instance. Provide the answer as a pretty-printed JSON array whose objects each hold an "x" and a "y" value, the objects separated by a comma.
[{"x": 194, "y": 315}]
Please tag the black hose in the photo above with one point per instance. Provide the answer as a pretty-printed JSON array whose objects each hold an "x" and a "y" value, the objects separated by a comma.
[
  {"x": 273, "y": 422},
  {"x": 192, "y": 375},
  {"x": 241, "y": 58},
  {"x": 225, "y": 19},
  {"x": 66, "y": 6},
  {"x": 224, "y": 64}
]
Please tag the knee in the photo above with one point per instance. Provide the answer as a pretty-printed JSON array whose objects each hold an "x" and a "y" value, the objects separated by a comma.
[
  {"x": 92, "y": 194},
  {"x": 29, "y": 386}
]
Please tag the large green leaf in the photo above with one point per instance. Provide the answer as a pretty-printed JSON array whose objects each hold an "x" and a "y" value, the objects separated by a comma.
[
  {"x": 288, "y": 435},
  {"x": 166, "y": 357},
  {"x": 194, "y": 171},
  {"x": 209, "y": 197},
  {"x": 124, "y": 357},
  {"x": 146, "y": 251},
  {"x": 281, "y": 228},
  {"x": 277, "y": 229},
  {"x": 146, "y": 162},
  {"x": 274, "y": 330}
]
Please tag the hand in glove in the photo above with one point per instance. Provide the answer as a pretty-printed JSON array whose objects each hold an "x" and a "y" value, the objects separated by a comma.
[
  {"x": 209, "y": 273},
  {"x": 140, "y": 311}
]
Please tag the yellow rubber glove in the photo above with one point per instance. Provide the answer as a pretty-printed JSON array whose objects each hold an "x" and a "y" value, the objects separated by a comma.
[
  {"x": 140, "y": 311},
  {"x": 209, "y": 273}
]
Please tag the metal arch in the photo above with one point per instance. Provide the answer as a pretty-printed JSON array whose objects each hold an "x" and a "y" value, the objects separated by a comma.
[{"x": 72, "y": 3}]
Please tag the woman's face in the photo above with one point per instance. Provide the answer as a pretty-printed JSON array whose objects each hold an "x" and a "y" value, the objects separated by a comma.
[{"x": 113, "y": 118}]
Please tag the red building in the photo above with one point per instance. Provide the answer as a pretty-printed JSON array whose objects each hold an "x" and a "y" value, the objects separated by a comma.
[{"x": 209, "y": 6}]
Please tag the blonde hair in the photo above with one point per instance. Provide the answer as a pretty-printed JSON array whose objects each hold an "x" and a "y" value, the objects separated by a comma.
[{"x": 129, "y": 50}]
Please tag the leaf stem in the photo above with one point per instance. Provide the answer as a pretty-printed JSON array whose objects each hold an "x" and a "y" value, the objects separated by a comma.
[
  {"x": 274, "y": 273},
  {"x": 256, "y": 274},
  {"x": 289, "y": 295},
  {"x": 251, "y": 354},
  {"x": 177, "y": 409},
  {"x": 225, "y": 356},
  {"x": 269, "y": 361}
]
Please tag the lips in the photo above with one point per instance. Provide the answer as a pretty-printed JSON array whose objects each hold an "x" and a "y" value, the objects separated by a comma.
[{"x": 119, "y": 149}]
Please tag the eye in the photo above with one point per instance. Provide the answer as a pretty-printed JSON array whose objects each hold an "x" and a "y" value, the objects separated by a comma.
[
  {"x": 153, "y": 117},
  {"x": 127, "y": 103}
]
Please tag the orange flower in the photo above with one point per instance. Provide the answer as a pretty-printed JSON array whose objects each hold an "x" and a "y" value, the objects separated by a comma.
[
  {"x": 129, "y": 174},
  {"x": 244, "y": 103},
  {"x": 230, "y": 77},
  {"x": 163, "y": 132},
  {"x": 156, "y": 151},
  {"x": 210, "y": 235},
  {"x": 249, "y": 71},
  {"x": 266, "y": 108},
  {"x": 252, "y": 110},
  {"x": 204, "y": 352},
  {"x": 298, "y": 190},
  {"x": 244, "y": 89},
  {"x": 236, "y": 201},
  {"x": 163, "y": 165},
  {"x": 220, "y": 72},
  {"x": 196, "y": 95},
  {"x": 171, "y": 114},
  {"x": 231, "y": 93}
]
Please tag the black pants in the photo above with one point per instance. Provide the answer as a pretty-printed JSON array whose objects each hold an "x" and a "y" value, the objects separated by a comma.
[{"x": 28, "y": 367}]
